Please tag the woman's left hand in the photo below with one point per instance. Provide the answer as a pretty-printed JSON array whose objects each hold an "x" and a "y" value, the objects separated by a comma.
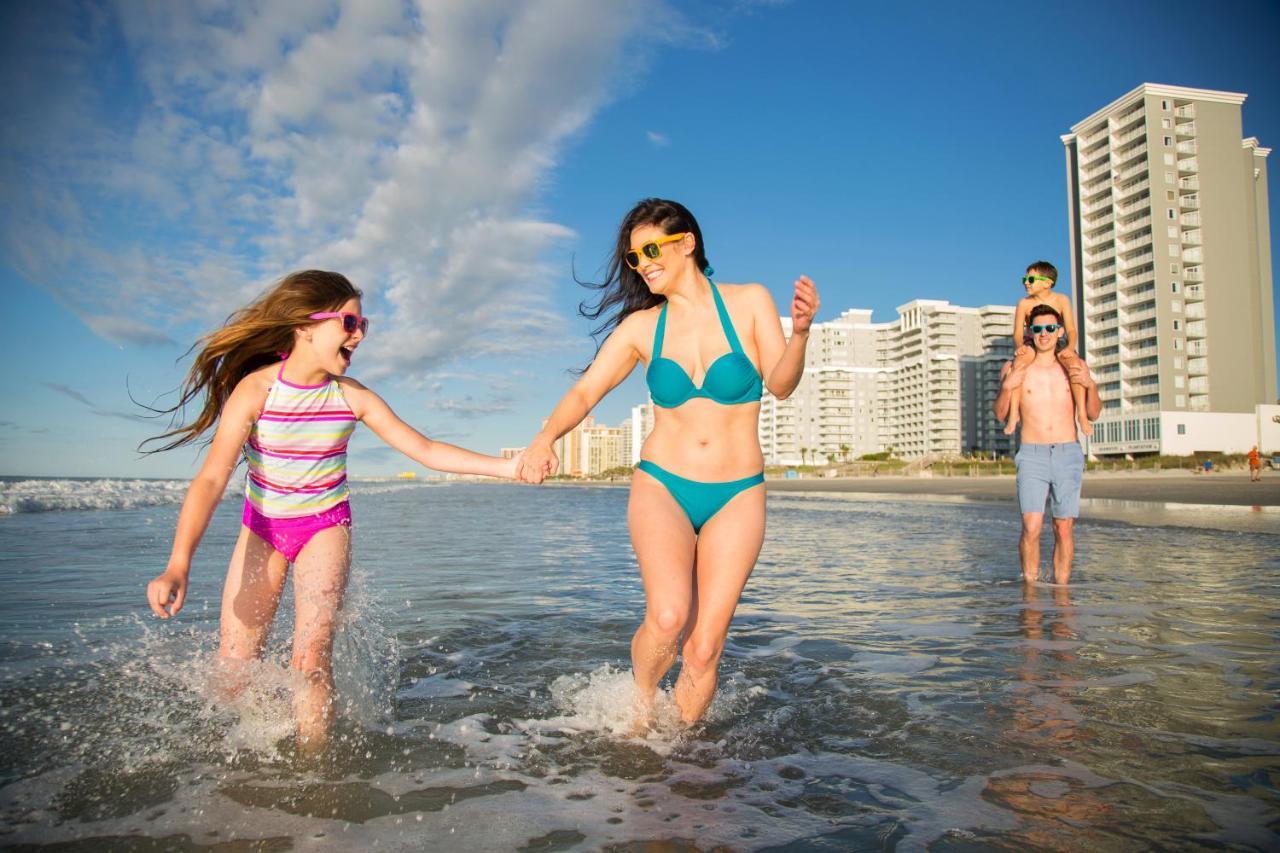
[{"x": 804, "y": 305}]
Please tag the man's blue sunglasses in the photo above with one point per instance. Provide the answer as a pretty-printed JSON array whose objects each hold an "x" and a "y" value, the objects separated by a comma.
[{"x": 1037, "y": 328}]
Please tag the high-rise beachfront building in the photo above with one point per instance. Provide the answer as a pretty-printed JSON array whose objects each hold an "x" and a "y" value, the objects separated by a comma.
[
  {"x": 590, "y": 449},
  {"x": 921, "y": 385},
  {"x": 1171, "y": 267}
]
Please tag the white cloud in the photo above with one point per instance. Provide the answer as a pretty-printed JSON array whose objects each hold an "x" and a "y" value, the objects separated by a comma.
[
  {"x": 657, "y": 139},
  {"x": 404, "y": 144}
]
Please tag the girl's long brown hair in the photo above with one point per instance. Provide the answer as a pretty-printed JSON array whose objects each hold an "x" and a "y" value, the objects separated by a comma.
[{"x": 254, "y": 336}]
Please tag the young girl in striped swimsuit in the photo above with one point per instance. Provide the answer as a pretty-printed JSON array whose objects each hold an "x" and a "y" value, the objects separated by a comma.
[{"x": 273, "y": 380}]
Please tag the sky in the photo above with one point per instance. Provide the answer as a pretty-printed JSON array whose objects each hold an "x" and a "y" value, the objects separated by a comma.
[{"x": 461, "y": 160}]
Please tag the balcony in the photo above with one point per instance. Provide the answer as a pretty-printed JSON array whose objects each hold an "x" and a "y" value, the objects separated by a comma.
[
  {"x": 1099, "y": 224},
  {"x": 1190, "y": 219},
  {"x": 1189, "y": 111},
  {"x": 1128, "y": 191},
  {"x": 1143, "y": 204},
  {"x": 1136, "y": 260},
  {"x": 1132, "y": 172},
  {"x": 1094, "y": 260},
  {"x": 1128, "y": 157},
  {"x": 1193, "y": 274},
  {"x": 1098, "y": 359},
  {"x": 1186, "y": 128},
  {"x": 1129, "y": 135},
  {"x": 1190, "y": 164},
  {"x": 1193, "y": 293},
  {"x": 1196, "y": 329},
  {"x": 1198, "y": 367},
  {"x": 1192, "y": 183},
  {"x": 1199, "y": 385},
  {"x": 1131, "y": 282},
  {"x": 1102, "y": 169},
  {"x": 1196, "y": 348},
  {"x": 1102, "y": 292},
  {"x": 1188, "y": 147},
  {"x": 1138, "y": 316},
  {"x": 1195, "y": 311},
  {"x": 1102, "y": 317},
  {"x": 1122, "y": 123},
  {"x": 1192, "y": 238},
  {"x": 1106, "y": 393},
  {"x": 1134, "y": 224},
  {"x": 1142, "y": 372},
  {"x": 1189, "y": 202},
  {"x": 1134, "y": 337},
  {"x": 1138, "y": 240},
  {"x": 1199, "y": 403},
  {"x": 1096, "y": 207},
  {"x": 1192, "y": 256}
]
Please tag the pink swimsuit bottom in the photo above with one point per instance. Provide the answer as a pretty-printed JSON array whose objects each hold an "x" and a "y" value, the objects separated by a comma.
[{"x": 290, "y": 535}]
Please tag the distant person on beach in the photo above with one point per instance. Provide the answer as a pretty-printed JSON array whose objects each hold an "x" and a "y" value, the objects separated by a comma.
[
  {"x": 697, "y": 505},
  {"x": 273, "y": 380},
  {"x": 1039, "y": 280},
  {"x": 1050, "y": 463},
  {"x": 1255, "y": 465}
]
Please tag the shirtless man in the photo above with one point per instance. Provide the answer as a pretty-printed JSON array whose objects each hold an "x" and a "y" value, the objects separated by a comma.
[{"x": 1050, "y": 462}]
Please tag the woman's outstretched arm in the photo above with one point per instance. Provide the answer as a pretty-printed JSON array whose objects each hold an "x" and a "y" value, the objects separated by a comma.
[{"x": 615, "y": 361}]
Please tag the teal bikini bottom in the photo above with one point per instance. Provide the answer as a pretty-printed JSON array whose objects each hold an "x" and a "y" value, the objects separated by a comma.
[{"x": 699, "y": 501}]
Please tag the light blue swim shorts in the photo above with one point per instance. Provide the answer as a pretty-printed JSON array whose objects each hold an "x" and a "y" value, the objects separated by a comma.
[{"x": 1053, "y": 473}]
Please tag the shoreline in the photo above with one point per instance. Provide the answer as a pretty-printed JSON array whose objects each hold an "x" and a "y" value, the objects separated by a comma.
[{"x": 1229, "y": 488}]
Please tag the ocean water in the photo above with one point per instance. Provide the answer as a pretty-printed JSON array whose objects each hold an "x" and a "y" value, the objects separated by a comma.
[{"x": 888, "y": 684}]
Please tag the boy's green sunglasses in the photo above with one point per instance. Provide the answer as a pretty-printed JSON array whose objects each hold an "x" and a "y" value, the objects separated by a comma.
[{"x": 1031, "y": 279}]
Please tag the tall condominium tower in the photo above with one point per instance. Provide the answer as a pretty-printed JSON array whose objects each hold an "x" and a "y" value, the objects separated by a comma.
[
  {"x": 1171, "y": 267},
  {"x": 919, "y": 385}
]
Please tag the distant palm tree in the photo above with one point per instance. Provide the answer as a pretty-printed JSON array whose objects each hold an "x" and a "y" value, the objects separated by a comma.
[
  {"x": 844, "y": 451},
  {"x": 804, "y": 456}
]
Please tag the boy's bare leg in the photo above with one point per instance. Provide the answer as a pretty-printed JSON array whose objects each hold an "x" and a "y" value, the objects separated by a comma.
[
  {"x": 1015, "y": 405},
  {"x": 1066, "y": 358}
]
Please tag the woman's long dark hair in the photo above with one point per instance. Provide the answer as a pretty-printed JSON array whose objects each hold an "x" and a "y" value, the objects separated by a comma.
[{"x": 623, "y": 291}]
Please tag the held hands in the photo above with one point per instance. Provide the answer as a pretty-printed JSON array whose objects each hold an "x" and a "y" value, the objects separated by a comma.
[
  {"x": 1022, "y": 358},
  {"x": 167, "y": 592},
  {"x": 1077, "y": 371},
  {"x": 804, "y": 305},
  {"x": 536, "y": 463}
]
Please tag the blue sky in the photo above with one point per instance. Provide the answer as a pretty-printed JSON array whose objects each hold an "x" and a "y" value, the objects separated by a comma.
[{"x": 458, "y": 158}]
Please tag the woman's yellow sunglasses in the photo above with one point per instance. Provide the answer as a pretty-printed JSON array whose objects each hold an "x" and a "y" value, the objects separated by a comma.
[{"x": 651, "y": 250}]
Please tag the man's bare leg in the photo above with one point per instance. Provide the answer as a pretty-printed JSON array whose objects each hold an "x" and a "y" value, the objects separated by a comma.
[
  {"x": 1029, "y": 545},
  {"x": 1064, "y": 549}
]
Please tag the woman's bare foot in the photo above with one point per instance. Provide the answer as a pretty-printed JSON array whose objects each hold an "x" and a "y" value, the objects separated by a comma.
[{"x": 1011, "y": 427}]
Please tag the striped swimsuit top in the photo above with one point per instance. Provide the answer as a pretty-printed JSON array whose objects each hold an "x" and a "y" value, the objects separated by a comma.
[{"x": 297, "y": 450}]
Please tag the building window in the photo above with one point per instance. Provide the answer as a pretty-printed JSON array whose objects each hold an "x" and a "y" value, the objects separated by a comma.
[
  {"x": 1169, "y": 196},
  {"x": 1173, "y": 268},
  {"x": 1177, "y": 325},
  {"x": 1166, "y": 123},
  {"x": 1179, "y": 381},
  {"x": 1173, "y": 286},
  {"x": 1180, "y": 401},
  {"x": 1173, "y": 232},
  {"x": 1168, "y": 177},
  {"x": 1177, "y": 362},
  {"x": 1164, "y": 105},
  {"x": 1177, "y": 343},
  {"x": 1168, "y": 159},
  {"x": 1168, "y": 140},
  {"x": 1182, "y": 429},
  {"x": 1173, "y": 214},
  {"x": 1173, "y": 250},
  {"x": 1176, "y": 305}
]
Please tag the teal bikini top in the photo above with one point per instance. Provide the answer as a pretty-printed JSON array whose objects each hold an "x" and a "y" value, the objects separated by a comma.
[{"x": 731, "y": 378}]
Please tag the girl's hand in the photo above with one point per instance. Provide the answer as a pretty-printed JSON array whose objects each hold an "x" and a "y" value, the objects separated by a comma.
[
  {"x": 168, "y": 590},
  {"x": 804, "y": 305},
  {"x": 511, "y": 467},
  {"x": 537, "y": 463}
]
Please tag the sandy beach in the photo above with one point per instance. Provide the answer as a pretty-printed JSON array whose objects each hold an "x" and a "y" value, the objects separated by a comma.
[{"x": 1230, "y": 488}]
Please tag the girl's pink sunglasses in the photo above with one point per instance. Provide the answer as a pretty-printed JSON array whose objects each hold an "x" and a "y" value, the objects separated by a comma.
[{"x": 350, "y": 322}]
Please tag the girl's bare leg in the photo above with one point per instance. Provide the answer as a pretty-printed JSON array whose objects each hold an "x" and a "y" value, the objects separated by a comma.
[
  {"x": 250, "y": 597},
  {"x": 727, "y": 550},
  {"x": 319, "y": 582},
  {"x": 664, "y": 544},
  {"x": 1082, "y": 417}
]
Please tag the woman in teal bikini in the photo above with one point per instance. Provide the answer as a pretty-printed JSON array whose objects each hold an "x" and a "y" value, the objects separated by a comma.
[{"x": 697, "y": 504}]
